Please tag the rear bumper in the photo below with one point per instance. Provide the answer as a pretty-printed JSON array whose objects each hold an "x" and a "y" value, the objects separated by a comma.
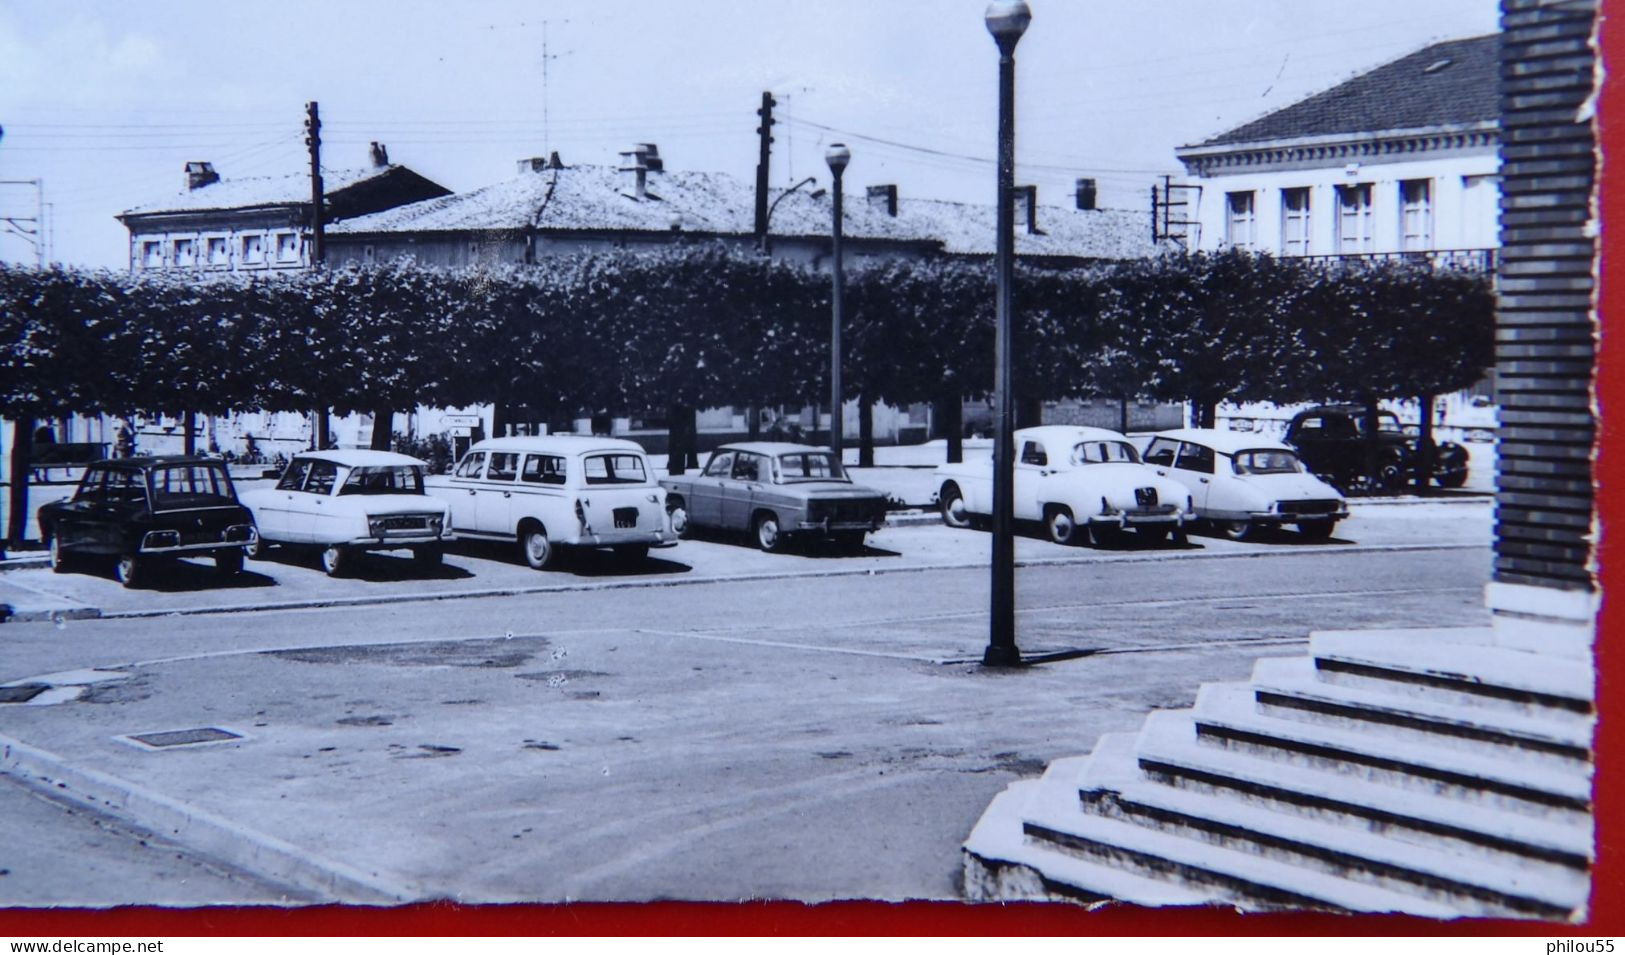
[
  {"x": 1131, "y": 519},
  {"x": 833, "y": 527},
  {"x": 660, "y": 538},
  {"x": 155, "y": 544}
]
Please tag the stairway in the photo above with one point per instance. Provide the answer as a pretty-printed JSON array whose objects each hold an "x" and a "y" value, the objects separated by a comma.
[{"x": 1431, "y": 772}]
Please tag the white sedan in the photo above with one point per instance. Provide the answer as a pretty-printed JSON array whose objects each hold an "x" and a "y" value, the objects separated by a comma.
[
  {"x": 1242, "y": 482},
  {"x": 1080, "y": 482},
  {"x": 349, "y": 501}
]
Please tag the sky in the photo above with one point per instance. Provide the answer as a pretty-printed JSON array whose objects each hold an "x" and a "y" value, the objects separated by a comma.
[{"x": 105, "y": 100}]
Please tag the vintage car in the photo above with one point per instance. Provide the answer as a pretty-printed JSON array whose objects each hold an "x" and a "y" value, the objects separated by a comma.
[
  {"x": 551, "y": 492},
  {"x": 143, "y": 511},
  {"x": 1241, "y": 482},
  {"x": 779, "y": 492},
  {"x": 346, "y": 502},
  {"x": 1331, "y": 441},
  {"x": 1080, "y": 482}
]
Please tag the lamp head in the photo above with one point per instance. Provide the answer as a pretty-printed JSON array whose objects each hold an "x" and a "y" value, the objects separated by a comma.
[
  {"x": 1007, "y": 20},
  {"x": 837, "y": 155}
]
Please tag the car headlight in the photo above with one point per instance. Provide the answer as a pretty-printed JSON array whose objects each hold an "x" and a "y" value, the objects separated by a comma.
[
  {"x": 436, "y": 524},
  {"x": 375, "y": 527}
]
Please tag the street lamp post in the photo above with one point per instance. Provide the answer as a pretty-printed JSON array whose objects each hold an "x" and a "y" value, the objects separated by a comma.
[
  {"x": 1007, "y": 20},
  {"x": 837, "y": 155}
]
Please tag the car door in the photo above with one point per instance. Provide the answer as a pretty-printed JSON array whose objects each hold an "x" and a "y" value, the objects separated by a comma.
[
  {"x": 1194, "y": 468},
  {"x": 310, "y": 517},
  {"x": 466, "y": 483},
  {"x": 75, "y": 526},
  {"x": 705, "y": 500},
  {"x": 749, "y": 483},
  {"x": 112, "y": 516},
  {"x": 1032, "y": 471},
  {"x": 275, "y": 516},
  {"x": 493, "y": 505}
]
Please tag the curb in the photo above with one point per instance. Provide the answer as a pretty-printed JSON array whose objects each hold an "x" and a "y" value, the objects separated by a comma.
[{"x": 259, "y": 854}]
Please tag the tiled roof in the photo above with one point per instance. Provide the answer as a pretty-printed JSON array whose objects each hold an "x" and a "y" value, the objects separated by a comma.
[
  {"x": 1454, "y": 83},
  {"x": 597, "y": 198},
  {"x": 252, "y": 192}
]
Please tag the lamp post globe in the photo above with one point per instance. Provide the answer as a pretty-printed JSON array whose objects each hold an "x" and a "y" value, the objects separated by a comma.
[
  {"x": 837, "y": 155},
  {"x": 1007, "y": 20}
]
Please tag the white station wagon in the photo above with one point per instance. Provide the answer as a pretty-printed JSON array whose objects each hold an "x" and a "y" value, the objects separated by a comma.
[
  {"x": 346, "y": 502},
  {"x": 1242, "y": 482},
  {"x": 555, "y": 491},
  {"x": 1080, "y": 482}
]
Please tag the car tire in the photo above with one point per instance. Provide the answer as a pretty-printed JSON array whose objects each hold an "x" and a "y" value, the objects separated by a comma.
[
  {"x": 952, "y": 502},
  {"x": 229, "y": 563},
  {"x": 1060, "y": 526},
  {"x": 632, "y": 553},
  {"x": 336, "y": 560},
  {"x": 537, "y": 548},
  {"x": 1455, "y": 480},
  {"x": 768, "y": 535},
  {"x": 59, "y": 557},
  {"x": 677, "y": 511},
  {"x": 257, "y": 547},
  {"x": 1316, "y": 530},
  {"x": 130, "y": 571},
  {"x": 428, "y": 555},
  {"x": 1236, "y": 530},
  {"x": 1391, "y": 474}
]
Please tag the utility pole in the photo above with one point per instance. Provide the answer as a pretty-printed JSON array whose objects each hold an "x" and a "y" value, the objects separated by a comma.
[
  {"x": 766, "y": 132},
  {"x": 313, "y": 139},
  {"x": 30, "y": 229}
]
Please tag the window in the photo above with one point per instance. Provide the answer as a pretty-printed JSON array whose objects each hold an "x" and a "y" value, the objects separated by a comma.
[
  {"x": 152, "y": 255},
  {"x": 294, "y": 477},
  {"x": 185, "y": 252},
  {"x": 1195, "y": 457},
  {"x": 90, "y": 486},
  {"x": 1104, "y": 452},
  {"x": 1294, "y": 221},
  {"x": 125, "y": 487},
  {"x": 504, "y": 466},
  {"x": 1161, "y": 452},
  {"x": 542, "y": 469},
  {"x": 1354, "y": 219},
  {"x": 384, "y": 479},
  {"x": 720, "y": 465},
  {"x": 617, "y": 469},
  {"x": 253, "y": 250},
  {"x": 809, "y": 466},
  {"x": 287, "y": 247},
  {"x": 1238, "y": 222},
  {"x": 1031, "y": 453},
  {"x": 472, "y": 464},
  {"x": 322, "y": 476},
  {"x": 749, "y": 467},
  {"x": 1416, "y": 215},
  {"x": 1481, "y": 212},
  {"x": 182, "y": 485},
  {"x": 1266, "y": 462},
  {"x": 217, "y": 251}
]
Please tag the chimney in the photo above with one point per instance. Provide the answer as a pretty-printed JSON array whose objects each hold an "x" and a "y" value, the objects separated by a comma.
[
  {"x": 634, "y": 173},
  {"x": 553, "y": 160},
  {"x": 200, "y": 174},
  {"x": 1086, "y": 194},
  {"x": 884, "y": 197},
  {"x": 1026, "y": 202},
  {"x": 380, "y": 156},
  {"x": 651, "y": 157}
]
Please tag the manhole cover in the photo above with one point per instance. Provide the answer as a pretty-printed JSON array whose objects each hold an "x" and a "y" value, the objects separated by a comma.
[
  {"x": 191, "y": 737},
  {"x": 22, "y": 693}
]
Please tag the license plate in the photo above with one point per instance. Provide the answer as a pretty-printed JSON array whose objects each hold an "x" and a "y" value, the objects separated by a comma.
[{"x": 626, "y": 517}]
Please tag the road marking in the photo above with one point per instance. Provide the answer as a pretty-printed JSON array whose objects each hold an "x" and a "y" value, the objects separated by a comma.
[{"x": 786, "y": 645}]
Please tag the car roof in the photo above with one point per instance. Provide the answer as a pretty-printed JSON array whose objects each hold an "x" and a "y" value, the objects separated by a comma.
[
  {"x": 772, "y": 448},
  {"x": 361, "y": 458},
  {"x": 1225, "y": 441},
  {"x": 557, "y": 444},
  {"x": 156, "y": 460},
  {"x": 1044, "y": 434}
]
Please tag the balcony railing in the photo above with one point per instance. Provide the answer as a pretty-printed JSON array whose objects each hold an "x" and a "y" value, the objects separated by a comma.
[{"x": 1469, "y": 260}]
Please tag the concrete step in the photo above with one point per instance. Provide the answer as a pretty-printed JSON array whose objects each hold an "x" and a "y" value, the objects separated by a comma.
[
  {"x": 1289, "y": 688},
  {"x": 1114, "y": 787},
  {"x": 1227, "y": 715},
  {"x": 1454, "y": 664},
  {"x": 1052, "y": 819},
  {"x": 1001, "y": 864},
  {"x": 1168, "y": 752}
]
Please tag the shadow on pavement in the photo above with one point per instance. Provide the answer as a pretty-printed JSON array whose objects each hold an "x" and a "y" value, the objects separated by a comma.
[
  {"x": 184, "y": 576},
  {"x": 1281, "y": 537},
  {"x": 370, "y": 566}
]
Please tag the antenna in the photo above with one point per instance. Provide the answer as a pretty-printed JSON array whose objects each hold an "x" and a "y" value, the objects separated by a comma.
[{"x": 547, "y": 58}]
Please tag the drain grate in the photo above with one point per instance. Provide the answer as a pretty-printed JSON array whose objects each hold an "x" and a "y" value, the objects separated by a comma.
[
  {"x": 189, "y": 737},
  {"x": 22, "y": 693}
]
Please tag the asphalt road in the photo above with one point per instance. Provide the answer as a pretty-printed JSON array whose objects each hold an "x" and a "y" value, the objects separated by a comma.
[{"x": 807, "y": 737}]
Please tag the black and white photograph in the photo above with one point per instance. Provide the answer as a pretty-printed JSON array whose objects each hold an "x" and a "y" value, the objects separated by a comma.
[{"x": 1115, "y": 455}]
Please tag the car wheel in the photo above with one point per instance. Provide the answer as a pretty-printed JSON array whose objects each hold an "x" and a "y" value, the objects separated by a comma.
[
  {"x": 336, "y": 560},
  {"x": 1236, "y": 530},
  {"x": 768, "y": 536},
  {"x": 129, "y": 570},
  {"x": 1316, "y": 530},
  {"x": 1391, "y": 474},
  {"x": 1453, "y": 480},
  {"x": 677, "y": 510},
  {"x": 59, "y": 558},
  {"x": 632, "y": 553},
  {"x": 257, "y": 546},
  {"x": 229, "y": 563},
  {"x": 428, "y": 555},
  {"x": 1062, "y": 529},
  {"x": 538, "y": 550},
  {"x": 952, "y": 502}
]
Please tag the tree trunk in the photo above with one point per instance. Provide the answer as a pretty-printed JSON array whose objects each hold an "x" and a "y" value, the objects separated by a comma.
[
  {"x": 22, "y": 451},
  {"x": 676, "y": 440},
  {"x": 1424, "y": 443},
  {"x": 866, "y": 431},
  {"x": 383, "y": 428},
  {"x": 499, "y": 418},
  {"x": 3, "y": 522},
  {"x": 1029, "y": 412},
  {"x": 951, "y": 414},
  {"x": 323, "y": 437},
  {"x": 1373, "y": 447},
  {"x": 189, "y": 432},
  {"x": 1122, "y": 415},
  {"x": 753, "y": 422}
]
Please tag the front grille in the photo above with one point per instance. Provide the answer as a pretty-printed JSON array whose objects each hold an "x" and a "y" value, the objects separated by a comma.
[
  {"x": 626, "y": 518},
  {"x": 841, "y": 512},
  {"x": 404, "y": 523},
  {"x": 1154, "y": 511},
  {"x": 1145, "y": 496},
  {"x": 1308, "y": 507}
]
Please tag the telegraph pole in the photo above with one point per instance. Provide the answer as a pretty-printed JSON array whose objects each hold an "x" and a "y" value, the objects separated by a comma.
[
  {"x": 766, "y": 132},
  {"x": 313, "y": 139}
]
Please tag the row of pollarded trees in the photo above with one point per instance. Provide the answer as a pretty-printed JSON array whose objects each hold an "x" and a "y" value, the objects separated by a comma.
[{"x": 702, "y": 326}]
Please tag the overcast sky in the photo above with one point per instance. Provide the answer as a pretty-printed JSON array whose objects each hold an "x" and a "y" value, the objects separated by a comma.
[{"x": 106, "y": 99}]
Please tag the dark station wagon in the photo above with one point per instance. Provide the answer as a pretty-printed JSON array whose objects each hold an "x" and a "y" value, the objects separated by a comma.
[{"x": 142, "y": 511}]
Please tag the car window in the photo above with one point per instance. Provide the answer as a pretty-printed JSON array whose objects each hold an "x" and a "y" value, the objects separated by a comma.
[
  {"x": 294, "y": 477},
  {"x": 386, "y": 479},
  {"x": 1195, "y": 457},
  {"x": 749, "y": 467},
  {"x": 809, "y": 466},
  {"x": 1104, "y": 452},
  {"x": 322, "y": 476},
  {"x": 1341, "y": 427},
  {"x": 90, "y": 486},
  {"x": 615, "y": 469},
  {"x": 190, "y": 485},
  {"x": 1267, "y": 462},
  {"x": 124, "y": 487},
  {"x": 721, "y": 464},
  {"x": 1308, "y": 428},
  {"x": 1161, "y": 452},
  {"x": 472, "y": 464},
  {"x": 542, "y": 469},
  {"x": 504, "y": 466},
  {"x": 1033, "y": 453}
]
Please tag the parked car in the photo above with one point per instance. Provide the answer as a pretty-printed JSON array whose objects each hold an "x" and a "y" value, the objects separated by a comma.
[
  {"x": 778, "y": 491},
  {"x": 1330, "y": 440},
  {"x": 142, "y": 511},
  {"x": 1241, "y": 482},
  {"x": 553, "y": 492},
  {"x": 347, "y": 502},
  {"x": 1080, "y": 482}
]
